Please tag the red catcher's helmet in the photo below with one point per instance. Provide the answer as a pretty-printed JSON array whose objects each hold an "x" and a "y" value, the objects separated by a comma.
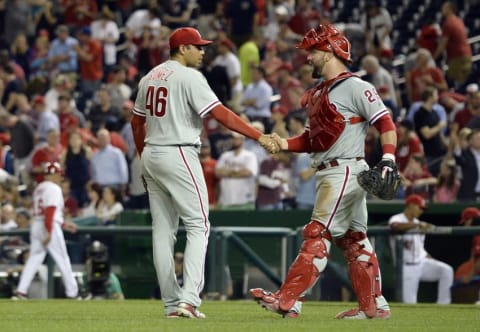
[
  {"x": 52, "y": 168},
  {"x": 327, "y": 38}
]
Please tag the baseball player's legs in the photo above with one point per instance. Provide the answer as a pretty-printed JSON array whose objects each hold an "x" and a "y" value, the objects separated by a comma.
[
  {"x": 411, "y": 278},
  {"x": 58, "y": 250},
  {"x": 182, "y": 190},
  {"x": 190, "y": 196},
  {"x": 434, "y": 270},
  {"x": 35, "y": 259},
  {"x": 165, "y": 221}
]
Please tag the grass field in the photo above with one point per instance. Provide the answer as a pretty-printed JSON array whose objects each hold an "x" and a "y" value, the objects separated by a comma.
[{"x": 147, "y": 315}]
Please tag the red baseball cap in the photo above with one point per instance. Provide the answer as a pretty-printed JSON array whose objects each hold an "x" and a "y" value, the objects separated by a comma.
[
  {"x": 469, "y": 213},
  {"x": 186, "y": 36},
  {"x": 417, "y": 200},
  {"x": 38, "y": 100}
]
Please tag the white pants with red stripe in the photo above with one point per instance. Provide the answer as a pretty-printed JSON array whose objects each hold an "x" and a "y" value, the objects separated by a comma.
[{"x": 57, "y": 249}]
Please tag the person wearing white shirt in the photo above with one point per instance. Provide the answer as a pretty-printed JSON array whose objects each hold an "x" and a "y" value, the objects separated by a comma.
[{"x": 418, "y": 265}]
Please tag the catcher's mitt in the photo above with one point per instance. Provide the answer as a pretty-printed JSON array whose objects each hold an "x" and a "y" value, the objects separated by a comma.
[{"x": 382, "y": 180}]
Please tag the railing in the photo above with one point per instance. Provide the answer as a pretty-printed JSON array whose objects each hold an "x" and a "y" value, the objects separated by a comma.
[{"x": 221, "y": 237}]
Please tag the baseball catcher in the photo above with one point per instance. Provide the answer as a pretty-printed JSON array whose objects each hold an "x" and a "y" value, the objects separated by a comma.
[{"x": 382, "y": 180}]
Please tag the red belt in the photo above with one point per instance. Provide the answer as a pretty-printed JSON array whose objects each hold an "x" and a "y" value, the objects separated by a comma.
[{"x": 332, "y": 163}]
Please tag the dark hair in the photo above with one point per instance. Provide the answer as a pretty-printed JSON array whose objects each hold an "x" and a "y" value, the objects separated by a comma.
[{"x": 427, "y": 92}]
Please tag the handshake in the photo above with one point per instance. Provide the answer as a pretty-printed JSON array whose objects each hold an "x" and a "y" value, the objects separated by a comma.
[{"x": 273, "y": 143}]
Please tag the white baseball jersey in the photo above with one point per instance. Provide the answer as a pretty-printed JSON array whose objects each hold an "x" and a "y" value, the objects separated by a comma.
[
  {"x": 47, "y": 194},
  {"x": 352, "y": 97},
  {"x": 413, "y": 244},
  {"x": 235, "y": 191},
  {"x": 174, "y": 99}
]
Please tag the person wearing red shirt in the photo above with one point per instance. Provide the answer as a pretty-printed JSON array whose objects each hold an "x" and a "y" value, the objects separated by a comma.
[
  {"x": 90, "y": 56},
  {"x": 454, "y": 42},
  {"x": 49, "y": 153},
  {"x": 408, "y": 144},
  {"x": 79, "y": 13},
  {"x": 471, "y": 110}
]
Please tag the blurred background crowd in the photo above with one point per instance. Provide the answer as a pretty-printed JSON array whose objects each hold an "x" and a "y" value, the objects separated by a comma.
[{"x": 69, "y": 70}]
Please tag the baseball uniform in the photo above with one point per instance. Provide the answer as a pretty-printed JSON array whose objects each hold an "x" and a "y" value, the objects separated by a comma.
[{"x": 48, "y": 194}]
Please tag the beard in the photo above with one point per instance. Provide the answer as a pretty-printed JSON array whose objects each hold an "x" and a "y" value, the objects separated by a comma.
[{"x": 317, "y": 71}]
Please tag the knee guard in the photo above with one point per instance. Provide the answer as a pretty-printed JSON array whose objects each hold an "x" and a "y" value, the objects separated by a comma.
[
  {"x": 363, "y": 268},
  {"x": 305, "y": 270}
]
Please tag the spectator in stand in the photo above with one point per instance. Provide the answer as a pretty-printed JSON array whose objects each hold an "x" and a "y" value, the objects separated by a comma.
[
  {"x": 6, "y": 155},
  {"x": 108, "y": 165},
  {"x": 177, "y": 14},
  {"x": 230, "y": 61},
  {"x": 429, "y": 36},
  {"x": 290, "y": 89},
  {"x": 417, "y": 179},
  {"x": 90, "y": 59},
  {"x": 62, "y": 57},
  {"x": 103, "y": 111},
  {"x": 94, "y": 192},
  {"x": 25, "y": 110},
  {"x": 377, "y": 24},
  {"x": 469, "y": 116},
  {"x": 45, "y": 19},
  {"x": 425, "y": 73},
  {"x": 272, "y": 181},
  {"x": 47, "y": 120},
  {"x": 469, "y": 271},
  {"x": 60, "y": 84},
  {"x": 272, "y": 29},
  {"x": 447, "y": 183},
  {"x": 220, "y": 141},
  {"x": 381, "y": 79},
  {"x": 22, "y": 53},
  {"x": 454, "y": 42},
  {"x": 466, "y": 159},
  {"x": 242, "y": 18},
  {"x": 249, "y": 56},
  {"x": 10, "y": 87},
  {"x": 120, "y": 92},
  {"x": 428, "y": 127},
  {"x": 418, "y": 265},
  {"x": 50, "y": 151},
  {"x": 106, "y": 31},
  {"x": 8, "y": 218},
  {"x": 39, "y": 62},
  {"x": 256, "y": 98},
  {"x": 71, "y": 209},
  {"x": 253, "y": 146},
  {"x": 17, "y": 19},
  {"x": 206, "y": 17},
  {"x": 208, "y": 167},
  {"x": 139, "y": 20},
  {"x": 79, "y": 13},
  {"x": 237, "y": 170},
  {"x": 270, "y": 63},
  {"x": 22, "y": 141},
  {"x": 306, "y": 17},
  {"x": 279, "y": 115},
  {"x": 110, "y": 206},
  {"x": 67, "y": 114},
  {"x": 76, "y": 161},
  {"x": 408, "y": 144},
  {"x": 303, "y": 172}
]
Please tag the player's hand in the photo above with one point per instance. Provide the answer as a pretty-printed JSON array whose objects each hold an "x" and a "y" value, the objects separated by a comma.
[
  {"x": 47, "y": 239},
  {"x": 70, "y": 227},
  {"x": 282, "y": 142},
  {"x": 269, "y": 144},
  {"x": 425, "y": 226}
]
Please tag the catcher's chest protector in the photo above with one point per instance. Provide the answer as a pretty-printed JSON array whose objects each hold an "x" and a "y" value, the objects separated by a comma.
[{"x": 326, "y": 123}]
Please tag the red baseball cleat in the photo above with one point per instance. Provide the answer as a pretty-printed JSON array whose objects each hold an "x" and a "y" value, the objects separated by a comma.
[{"x": 189, "y": 311}]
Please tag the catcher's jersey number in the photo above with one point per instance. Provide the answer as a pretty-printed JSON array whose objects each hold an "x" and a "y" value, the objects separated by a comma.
[{"x": 156, "y": 100}]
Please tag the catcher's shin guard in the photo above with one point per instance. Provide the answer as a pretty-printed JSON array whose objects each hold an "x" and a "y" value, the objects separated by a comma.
[
  {"x": 305, "y": 270},
  {"x": 363, "y": 268}
]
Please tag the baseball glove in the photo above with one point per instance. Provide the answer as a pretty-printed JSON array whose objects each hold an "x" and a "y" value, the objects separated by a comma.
[{"x": 382, "y": 180}]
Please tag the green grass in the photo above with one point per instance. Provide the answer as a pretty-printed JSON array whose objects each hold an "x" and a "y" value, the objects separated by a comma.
[{"x": 147, "y": 315}]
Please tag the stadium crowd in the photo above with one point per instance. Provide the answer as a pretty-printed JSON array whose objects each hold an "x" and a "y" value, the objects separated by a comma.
[{"x": 69, "y": 70}]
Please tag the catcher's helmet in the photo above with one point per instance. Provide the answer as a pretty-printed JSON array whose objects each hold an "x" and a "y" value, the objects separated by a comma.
[
  {"x": 52, "y": 168},
  {"x": 327, "y": 38}
]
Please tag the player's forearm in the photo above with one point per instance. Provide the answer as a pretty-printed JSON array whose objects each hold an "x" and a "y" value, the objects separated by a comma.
[
  {"x": 139, "y": 132},
  {"x": 300, "y": 143},
  {"x": 234, "y": 122}
]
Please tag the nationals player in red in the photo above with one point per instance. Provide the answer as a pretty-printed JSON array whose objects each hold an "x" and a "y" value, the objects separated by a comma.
[
  {"x": 339, "y": 110},
  {"x": 172, "y": 100},
  {"x": 46, "y": 233}
]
